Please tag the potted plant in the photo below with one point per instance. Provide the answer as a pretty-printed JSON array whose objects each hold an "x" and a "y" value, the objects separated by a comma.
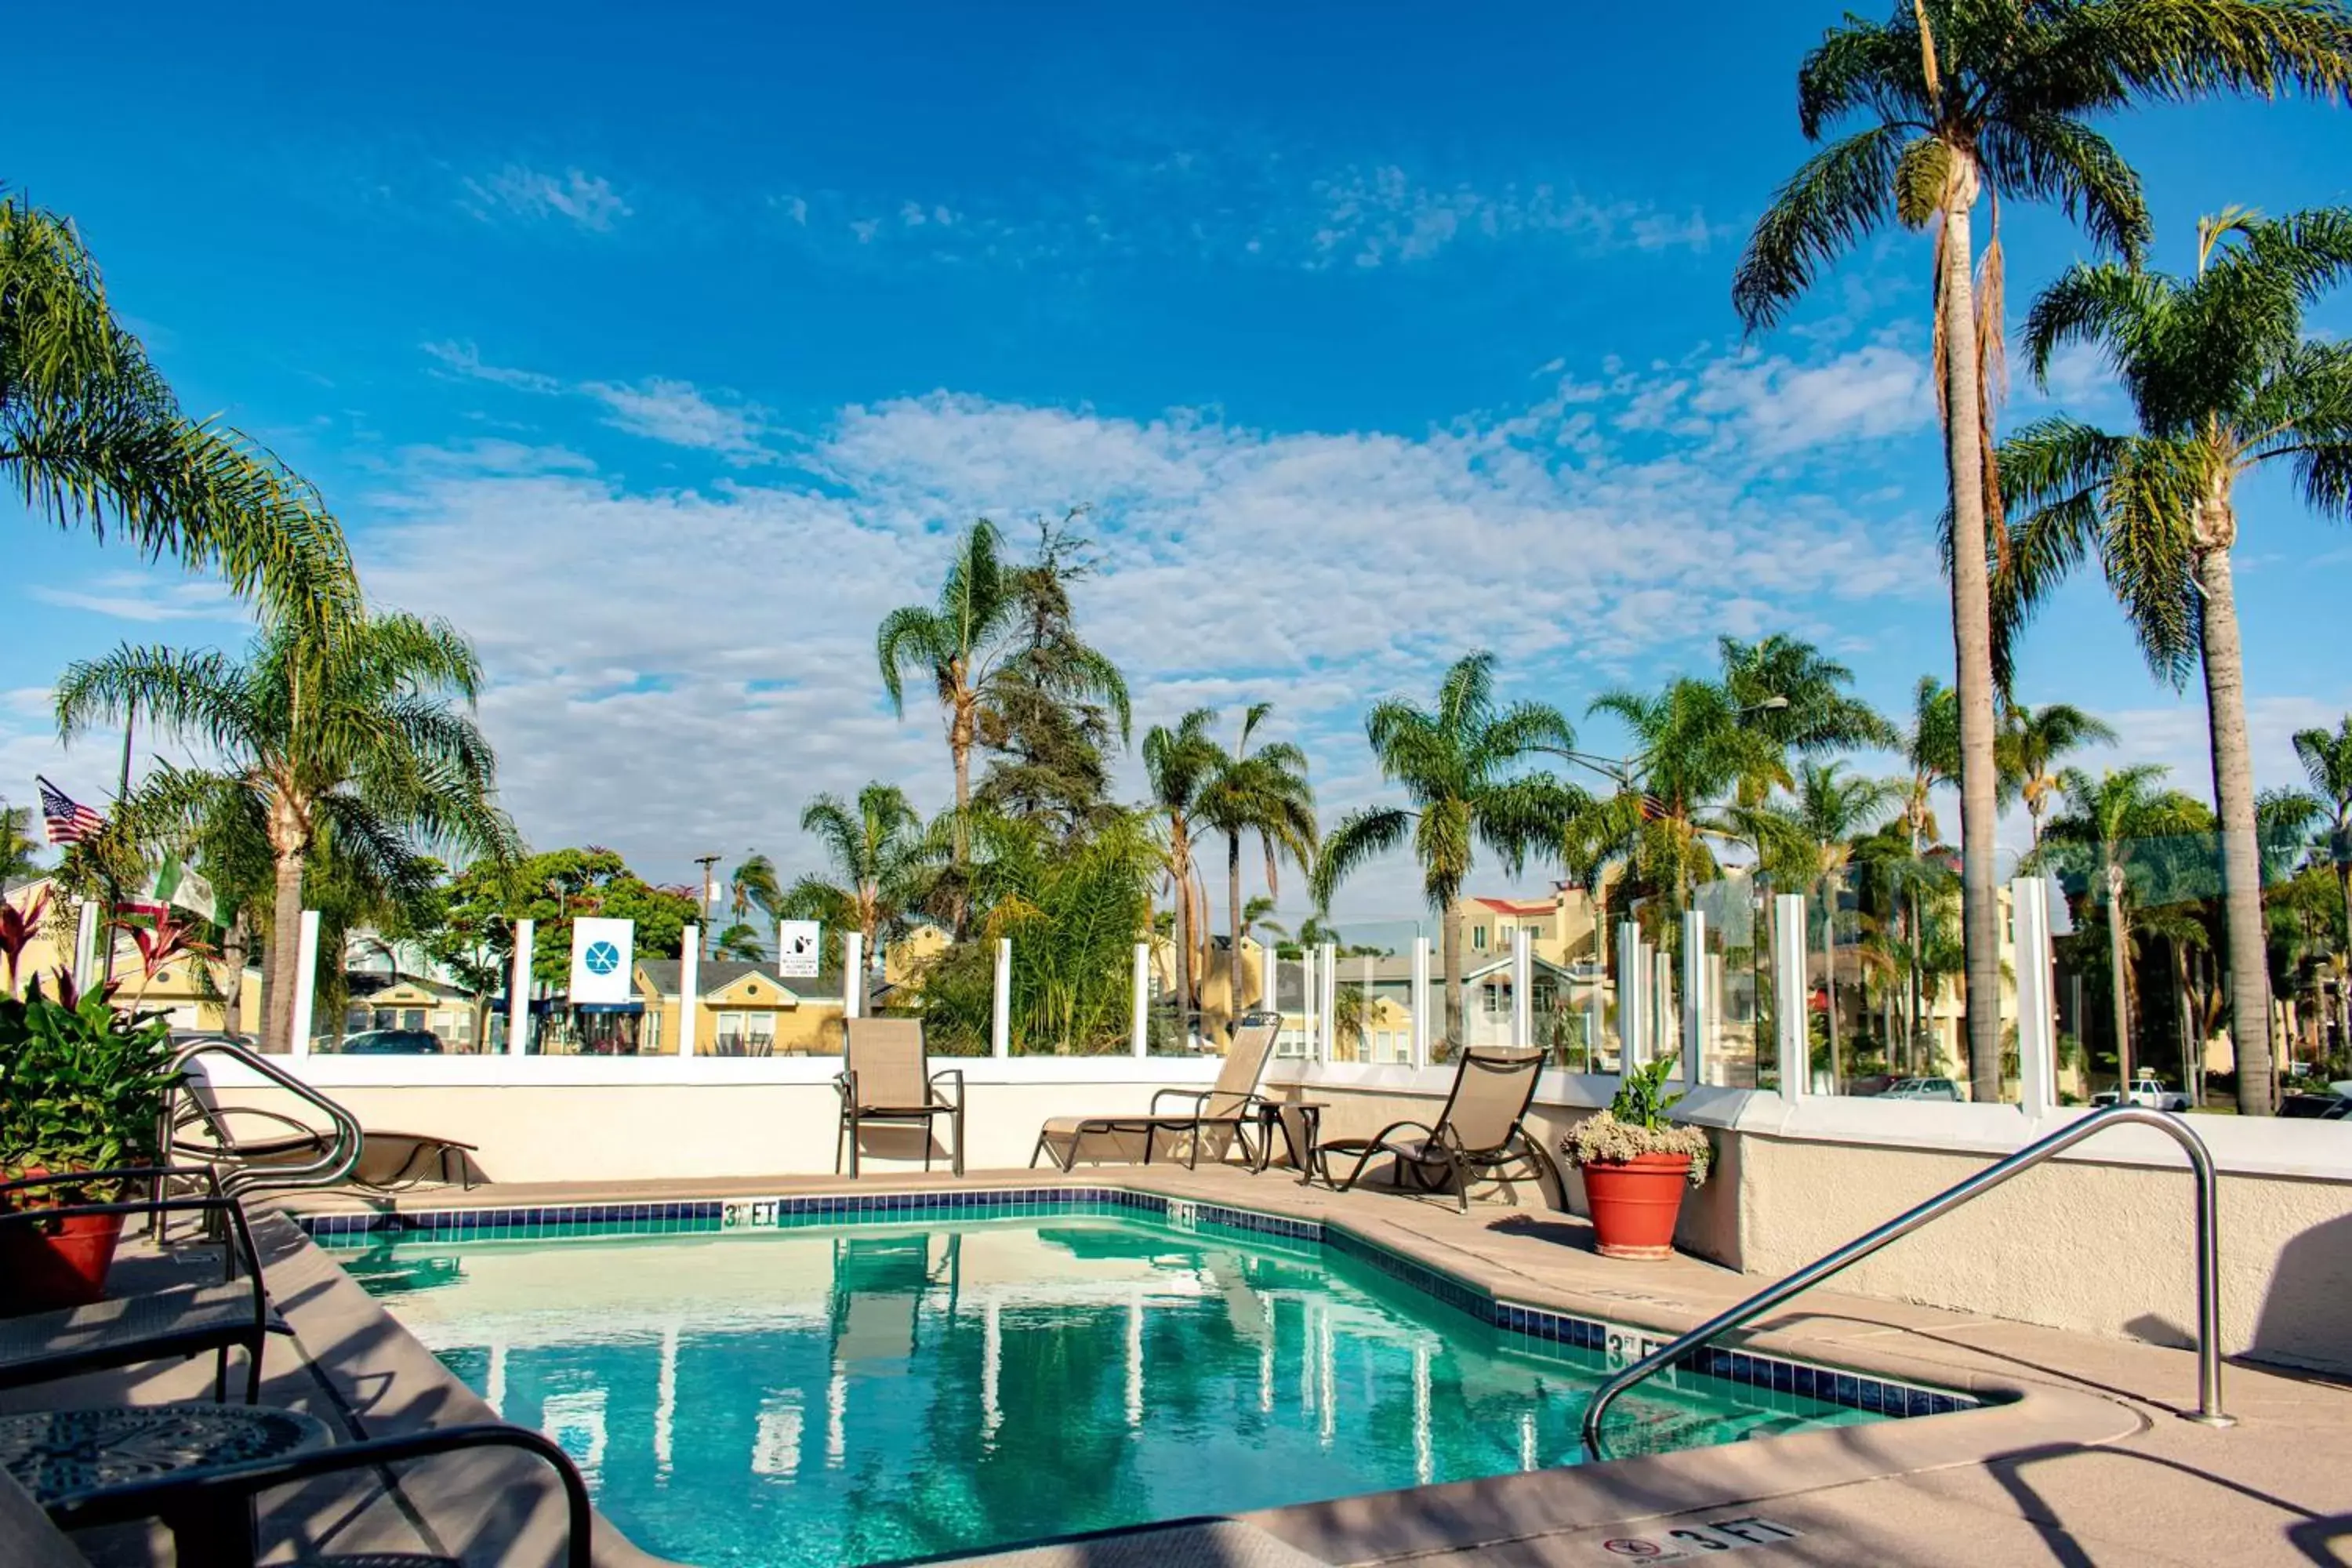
[
  {"x": 83, "y": 1087},
  {"x": 1636, "y": 1164}
]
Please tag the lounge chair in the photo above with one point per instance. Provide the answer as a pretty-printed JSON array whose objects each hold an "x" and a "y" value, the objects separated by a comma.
[
  {"x": 31, "y": 1537},
  {"x": 387, "y": 1162},
  {"x": 1484, "y": 1117},
  {"x": 1232, "y": 1105},
  {"x": 885, "y": 1078},
  {"x": 162, "y": 1325}
]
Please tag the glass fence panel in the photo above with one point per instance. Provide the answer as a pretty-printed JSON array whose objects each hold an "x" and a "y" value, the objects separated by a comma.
[{"x": 1371, "y": 990}]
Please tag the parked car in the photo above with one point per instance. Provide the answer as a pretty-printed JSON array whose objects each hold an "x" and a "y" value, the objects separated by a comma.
[
  {"x": 2148, "y": 1090},
  {"x": 2325, "y": 1106},
  {"x": 392, "y": 1043},
  {"x": 1921, "y": 1089}
]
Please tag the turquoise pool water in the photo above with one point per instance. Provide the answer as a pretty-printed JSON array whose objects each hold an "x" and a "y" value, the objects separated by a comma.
[{"x": 850, "y": 1394}]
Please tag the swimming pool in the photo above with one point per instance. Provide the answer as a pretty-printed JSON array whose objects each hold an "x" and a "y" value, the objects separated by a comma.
[{"x": 781, "y": 1384}]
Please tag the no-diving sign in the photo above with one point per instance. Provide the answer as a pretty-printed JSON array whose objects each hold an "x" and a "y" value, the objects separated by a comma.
[{"x": 1687, "y": 1541}]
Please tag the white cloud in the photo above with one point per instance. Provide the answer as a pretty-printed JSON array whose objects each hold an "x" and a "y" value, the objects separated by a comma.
[
  {"x": 659, "y": 408},
  {"x": 466, "y": 360},
  {"x": 1778, "y": 406},
  {"x": 1371, "y": 215},
  {"x": 587, "y": 201},
  {"x": 147, "y": 597}
]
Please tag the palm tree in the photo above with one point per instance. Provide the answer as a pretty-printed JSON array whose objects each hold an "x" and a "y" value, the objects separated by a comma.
[
  {"x": 1456, "y": 762},
  {"x": 17, "y": 845},
  {"x": 754, "y": 885},
  {"x": 2222, "y": 382},
  {"x": 349, "y": 735},
  {"x": 1811, "y": 837},
  {"x": 1263, "y": 792},
  {"x": 1696, "y": 750},
  {"x": 884, "y": 859},
  {"x": 2115, "y": 817},
  {"x": 990, "y": 616},
  {"x": 2327, "y": 763},
  {"x": 739, "y": 943},
  {"x": 2033, "y": 739},
  {"x": 91, "y": 436},
  {"x": 1931, "y": 748},
  {"x": 1962, "y": 99},
  {"x": 1788, "y": 690},
  {"x": 1179, "y": 764}
]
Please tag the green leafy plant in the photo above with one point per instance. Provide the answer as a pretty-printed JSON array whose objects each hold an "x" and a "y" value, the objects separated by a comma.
[
  {"x": 82, "y": 1086},
  {"x": 1635, "y": 1124}
]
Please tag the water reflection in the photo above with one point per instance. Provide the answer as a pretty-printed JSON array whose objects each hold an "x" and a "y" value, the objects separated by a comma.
[{"x": 828, "y": 1397}]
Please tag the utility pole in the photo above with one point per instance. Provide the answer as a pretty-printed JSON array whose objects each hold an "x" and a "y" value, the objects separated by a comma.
[{"x": 702, "y": 899}]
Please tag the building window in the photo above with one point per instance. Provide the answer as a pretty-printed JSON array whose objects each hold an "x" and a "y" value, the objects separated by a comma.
[
  {"x": 653, "y": 1028},
  {"x": 411, "y": 1018},
  {"x": 1478, "y": 938},
  {"x": 729, "y": 1039},
  {"x": 461, "y": 1026}
]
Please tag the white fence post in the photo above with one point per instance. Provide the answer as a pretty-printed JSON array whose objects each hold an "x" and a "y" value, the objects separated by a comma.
[
  {"x": 690, "y": 988},
  {"x": 1421, "y": 1002},
  {"x": 2037, "y": 1023},
  {"x": 853, "y": 973},
  {"x": 1711, "y": 1041},
  {"x": 1697, "y": 1009},
  {"x": 1140, "y": 1023},
  {"x": 85, "y": 958},
  {"x": 1523, "y": 987},
  {"x": 1631, "y": 985},
  {"x": 1000, "y": 1018},
  {"x": 306, "y": 982},
  {"x": 1326, "y": 982},
  {"x": 518, "y": 989},
  {"x": 1309, "y": 1001},
  {"x": 1792, "y": 997}
]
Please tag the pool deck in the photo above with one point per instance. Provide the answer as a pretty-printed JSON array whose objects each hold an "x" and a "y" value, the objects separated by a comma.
[{"x": 2087, "y": 1461}]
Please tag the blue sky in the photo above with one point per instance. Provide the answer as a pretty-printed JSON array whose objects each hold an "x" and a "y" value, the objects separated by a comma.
[{"x": 662, "y": 349}]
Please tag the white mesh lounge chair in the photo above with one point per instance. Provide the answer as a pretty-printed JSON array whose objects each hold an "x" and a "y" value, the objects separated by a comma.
[
  {"x": 886, "y": 1078},
  {"x": 1480, "y": 1130},
  {"x": 1227, "y": 1108}
]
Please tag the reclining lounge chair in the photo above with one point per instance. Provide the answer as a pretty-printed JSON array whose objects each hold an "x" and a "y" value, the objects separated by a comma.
[
  {"x": 203, "y": 1128},
  {"x": 1231, "y": 1106},
  {"x": 1475, "y": 1134}
]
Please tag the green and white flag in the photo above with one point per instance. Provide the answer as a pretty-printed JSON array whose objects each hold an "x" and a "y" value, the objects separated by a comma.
[{"x": 176, "y": 884}]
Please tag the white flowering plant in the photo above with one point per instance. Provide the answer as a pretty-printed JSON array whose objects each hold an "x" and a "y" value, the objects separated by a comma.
[{"x": 1635, "y": 1124}]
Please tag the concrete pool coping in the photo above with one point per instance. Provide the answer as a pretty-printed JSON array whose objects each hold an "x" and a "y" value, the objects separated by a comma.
[{"x": 2064, "y": 1395}]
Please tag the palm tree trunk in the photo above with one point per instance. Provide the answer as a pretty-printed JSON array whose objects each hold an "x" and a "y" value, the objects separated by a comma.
[
  {"x": 233, "y": 948},
  {"x": 1233, "y": 922},
  {"x": 1972, "y": 643},
  {"x": 1182, "y": 863},
  {"x": 285, "y": 954},
  {"x": 1911, "y": 1050},
  {"x": 1829, "y": 968},
  {"x": 2241, "y": 874},
  {"x": 1452, "y": 941},
  {"x": 2118, "y": 980},
  {"x": 868, "y": 929}
]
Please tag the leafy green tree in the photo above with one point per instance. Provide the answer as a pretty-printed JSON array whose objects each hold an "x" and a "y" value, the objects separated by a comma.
[
  {"x": 1459, "y": 763},
  {"x": 473, "y": 931},
  {"x": 2327, "y": 758},
  {"x": 2031, "y": 742},
  {"x": 1959, "y": 100},
  {"x": 18, "y": 849},
  {"x": 884, "y": 860},
  {"x": 2222, "y": 383},
  {"x": 1071, "y": 909},
  {"x": 90, "y": 435},
  {"x": 1263, "y": 792},
  {"x": 353, "y": 728},
  {"x": 2115, "y": 821},
  {"x": 1177, "y": 765}
]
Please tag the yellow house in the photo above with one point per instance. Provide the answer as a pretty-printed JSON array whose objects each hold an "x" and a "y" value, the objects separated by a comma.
[
  {"x": 742, "y": 1010},
  {"x": 1562, "y": 926},
  {"x": 907, "y": 957},
  {"x": 413, "y": 1003},
  {"x": 1213, "y": 994},
  {"x": 187, "y": 990}
]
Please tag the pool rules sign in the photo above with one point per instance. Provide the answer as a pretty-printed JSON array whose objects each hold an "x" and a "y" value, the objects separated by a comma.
[{"x": 601, "y": 971}]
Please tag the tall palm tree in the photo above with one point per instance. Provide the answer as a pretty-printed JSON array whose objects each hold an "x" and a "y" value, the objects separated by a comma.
[
  {"x": 1796, "y": 697},
  {"x": 2222, "y": 382},
  {"x": 754, "y": 885},
  {"x": 2326, "y": 761},
  {"x": 1809, "y": 840},
  {"x": 2031, "y": 742},
  {"x": 884, "y": 859},
  {"x": 1177, "y": 765},
  {"x": 1694, "y": 754},
  {"x": 991, "y": 616},
  {"x": 1931, "y": 749},
  {"x": 350, "y": 732},
  {"x": 91, "y": 436},
  {"x": 1962, "y": 99},
  {"x": 2117, "y": 818},
  {"x": 1263, "y": 792},
  {"x": 1457, "y": 763},
  {"x": 17, "y": 845}
]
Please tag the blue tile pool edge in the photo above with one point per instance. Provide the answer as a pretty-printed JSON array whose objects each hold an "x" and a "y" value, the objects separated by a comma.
[{"x": 1888, "y": 1397}]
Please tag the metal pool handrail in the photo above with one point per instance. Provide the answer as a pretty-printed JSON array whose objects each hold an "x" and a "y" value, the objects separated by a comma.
[
  {"x": 333, "y": 1163},
  {"x": 2209, "y": 1410}
]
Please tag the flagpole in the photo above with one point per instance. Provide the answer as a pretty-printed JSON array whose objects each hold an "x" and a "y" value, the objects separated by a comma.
[{"x": 113, "y": 893}]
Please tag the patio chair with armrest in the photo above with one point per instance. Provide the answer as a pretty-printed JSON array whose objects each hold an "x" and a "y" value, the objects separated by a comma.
[
  {"x": 1485, "y": 1116},
  {"x": 886, "y": 1078},
  {"x": 202, "y": 1128},
  {"x": 168, "y": 1324},
  {"x": 1230, "y": 1106},
  {"x": 35, "y": 1538}
]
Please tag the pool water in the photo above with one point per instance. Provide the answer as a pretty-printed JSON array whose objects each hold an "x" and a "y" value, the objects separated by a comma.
[{"x": 838, "y": 1394}]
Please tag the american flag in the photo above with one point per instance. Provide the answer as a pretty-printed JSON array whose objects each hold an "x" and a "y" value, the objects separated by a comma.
[{"x": 68, "y": 821}]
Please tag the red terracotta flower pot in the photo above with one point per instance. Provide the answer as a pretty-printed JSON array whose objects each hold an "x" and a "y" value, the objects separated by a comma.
[
  {"x": 1636, "y": 1202},
  {"x": 49, "y": 1265}
]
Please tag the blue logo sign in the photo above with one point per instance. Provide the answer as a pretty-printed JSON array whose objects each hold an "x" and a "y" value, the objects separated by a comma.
[{"x": 602, "y": 958}]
